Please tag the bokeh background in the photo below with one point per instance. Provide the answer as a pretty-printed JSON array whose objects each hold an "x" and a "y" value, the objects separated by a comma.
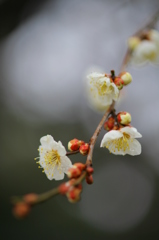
[{"x": 46, "y": 48}]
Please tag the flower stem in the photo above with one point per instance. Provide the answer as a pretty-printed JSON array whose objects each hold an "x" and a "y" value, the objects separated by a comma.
[
  {"x": 96, "y": 133},
  {"x": 71, "y": 153}
]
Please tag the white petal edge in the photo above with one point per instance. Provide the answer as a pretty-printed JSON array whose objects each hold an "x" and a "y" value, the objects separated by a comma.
[
  {"x": 66, "y": 164},
  {"x": 46, "y": 140},
  {"x": 131, "y": 131},
  {"x": 95, "y": 75},
  {"x": 135, "y": 148},
  {"x": 111, "y": 135}
]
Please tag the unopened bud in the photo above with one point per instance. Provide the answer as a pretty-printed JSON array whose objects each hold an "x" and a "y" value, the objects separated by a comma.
[
  {"x": 74, "y": 194},
  {"x": 74, "y": 172},
  {"x": 30, "y": 198},
  {"x": 119, "y": 83},
  {"x": 90, "y": 170},
  {"x": 84, "y": 149},
  {"x": 80, "y": 166},
  {"x": 126, "y": 77},
  {"x": 109, "y": 124},
  {"x": 74, "y": 144},
  {"x": 21, "y": 209},
  {"x": 79, "y": 186},
  {"x": 64, "y": 187},
  {"x": 124, "y": 118},
  {"x": 89, "y": 179},
  {"x": 133, "y": 42}
]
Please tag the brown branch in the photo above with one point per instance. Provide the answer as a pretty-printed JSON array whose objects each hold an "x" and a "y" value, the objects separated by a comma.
[
  {"x": 125, "y": 60},
  {"x": 71, "y": 153},
  {"x": 96, "y": 133},
  {"x": 55, "y": 191},
  {"x": 149, "y": 24}
]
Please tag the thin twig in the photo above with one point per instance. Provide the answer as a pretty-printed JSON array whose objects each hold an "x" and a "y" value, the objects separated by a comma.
[
  {"x": 96, "y": 133},
  {"x": 149, "y": 24},
  {"x": 71, "y": 153},
  {"x": 55, "y": 191}
]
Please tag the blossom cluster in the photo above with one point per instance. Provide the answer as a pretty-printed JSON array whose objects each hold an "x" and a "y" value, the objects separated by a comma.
[
  {"x": 103, "y": 89},
  {"x": 144, "y": 48},
  {"x": 120, "y": 138}
]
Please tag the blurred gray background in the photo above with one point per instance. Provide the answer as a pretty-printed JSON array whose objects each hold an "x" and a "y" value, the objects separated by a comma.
[{"x": 46, "y": 48}]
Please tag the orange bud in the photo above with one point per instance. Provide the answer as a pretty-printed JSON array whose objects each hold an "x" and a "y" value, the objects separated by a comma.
[
  {"x": 89, "y": 179},
  {"x": 64, "y": 187},
  {"x": 74, "y": 144},
  {"x": 84, "y": 149},
  {"x": 30, "y": 198},
  {"x": 119, "y": 83},
  {"x": 124, "y": 118},
  {"x": 109, "y": 124},
  {"x": 80, "y": 166},
  {"x": 74, "y": 172},
  {"x": 73, "y": 195},
  {"x": 21, "y": 209},
  {"x": 90, "y": 170},
  {"x": 126, "y": 77},
  {"x": 79, "y": 186}
]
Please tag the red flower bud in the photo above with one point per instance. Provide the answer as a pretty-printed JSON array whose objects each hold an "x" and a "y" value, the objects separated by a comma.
[
  {"x": 21, "y": 209},
  {"x": 90, "y": 170},
  {"x": 74, "y": 194},
  {"x": 89, "y": 179},
  {"x": 109, "y": 124},
  {"x": 74, "y": 144},
  {"x": 84, "y": 149},
  {"x": 74, "y": 172},
  {"x": 119, "y": 83},
  {"x": 80, "y": 166},
  {"x": 64, "y": 187}
]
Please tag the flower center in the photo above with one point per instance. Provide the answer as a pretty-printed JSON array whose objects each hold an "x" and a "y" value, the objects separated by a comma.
[
  {"x": 120, "y": 144},
  {"x": 52, "y": 157},
  {"x": 104, "y": 89}
]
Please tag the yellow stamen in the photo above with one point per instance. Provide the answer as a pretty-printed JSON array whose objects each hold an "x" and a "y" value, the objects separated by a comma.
[
  {"x": 120, "y": 144},
  {"x": 52, "y": 159}
]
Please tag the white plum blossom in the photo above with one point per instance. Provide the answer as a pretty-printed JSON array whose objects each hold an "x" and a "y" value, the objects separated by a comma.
[
  {"x": 101, "y": 91},
  {"x": 53, "y": 158},
  {"x": 122, "y": 141},
  {"x": 146, "y": 50}
]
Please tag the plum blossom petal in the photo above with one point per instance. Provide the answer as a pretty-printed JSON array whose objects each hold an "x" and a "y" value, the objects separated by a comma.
[
  {"x": 111, "y": 135},
  {"x": 131, "y": 131}
]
